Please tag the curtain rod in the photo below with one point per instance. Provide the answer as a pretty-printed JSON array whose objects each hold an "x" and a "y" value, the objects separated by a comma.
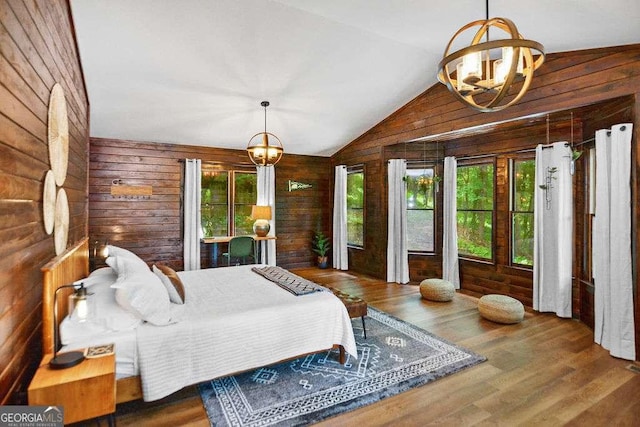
[{"x": 217, "y": 163}]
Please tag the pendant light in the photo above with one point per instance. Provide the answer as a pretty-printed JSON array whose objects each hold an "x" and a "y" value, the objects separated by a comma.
[
  {"x": 265, "y": 149},
  {"x": 485, "y": 75}
]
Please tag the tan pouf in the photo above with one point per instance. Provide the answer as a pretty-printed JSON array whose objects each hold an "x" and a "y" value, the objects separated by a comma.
[
  {"x": 501, "y": 309},
  {"x": 437, "y": 290}
]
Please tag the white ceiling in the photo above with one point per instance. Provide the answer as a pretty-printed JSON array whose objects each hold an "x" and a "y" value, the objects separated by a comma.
[{"x": 195, "y": 71}]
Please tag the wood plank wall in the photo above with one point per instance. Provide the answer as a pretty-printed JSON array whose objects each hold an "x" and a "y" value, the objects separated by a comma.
[
  {"x": 37, "y": 49},
  {"x": 152, "y": 227},
  {"x": 566, "y": 82}
]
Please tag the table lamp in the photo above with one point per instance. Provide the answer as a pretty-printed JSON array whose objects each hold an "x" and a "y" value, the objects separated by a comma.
[
  {"x": 80, "y": 307},
  {"x": 262, "y": 215}
]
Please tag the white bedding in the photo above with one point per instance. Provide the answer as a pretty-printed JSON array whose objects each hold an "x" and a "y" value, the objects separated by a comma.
[
  {"x": 236, "y": 320},
  {"x": 233, "y": 320}
]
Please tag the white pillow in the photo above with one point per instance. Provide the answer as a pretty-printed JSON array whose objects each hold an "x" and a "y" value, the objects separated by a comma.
[
  {"x": 144, "y": 295},
  {"x": 124, "y": 253},
  {"x": 124, "y": 266},
  {"x": 104, "y": 312},
  {"x": 104, "y": 271},
  {"x": 174, "y": 296}
]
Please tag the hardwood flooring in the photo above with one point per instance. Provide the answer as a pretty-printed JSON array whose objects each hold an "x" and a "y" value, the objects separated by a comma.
[{"x": 543, "y": 371}]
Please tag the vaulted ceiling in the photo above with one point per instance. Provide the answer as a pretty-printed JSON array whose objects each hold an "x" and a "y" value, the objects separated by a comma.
[{"x": 195, "y": 71}]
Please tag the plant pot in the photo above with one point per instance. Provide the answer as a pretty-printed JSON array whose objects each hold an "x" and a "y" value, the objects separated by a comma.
[{"x": 323, "y": 262}]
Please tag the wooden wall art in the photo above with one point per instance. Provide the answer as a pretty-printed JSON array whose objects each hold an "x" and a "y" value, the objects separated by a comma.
[{"x": 55, "y": 205}]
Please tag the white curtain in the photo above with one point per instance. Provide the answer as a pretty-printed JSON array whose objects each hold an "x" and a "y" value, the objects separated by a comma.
[
  {"x": 192, "y": 226},
  {"x": 267, "y": 197},
  {"x": 553, "y": 230},
  {"x": 340, "y": 253},
  {"x": 614, "y": 320},
  {"x": 397, "y": 252},
  {"x": 450, "y": 267}
]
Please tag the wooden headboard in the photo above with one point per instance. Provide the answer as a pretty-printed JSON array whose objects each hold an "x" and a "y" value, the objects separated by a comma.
[{"x": 64, "y": 269}]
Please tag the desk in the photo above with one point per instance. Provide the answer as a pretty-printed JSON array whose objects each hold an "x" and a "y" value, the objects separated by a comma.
[{"x": 225, "y": 239}]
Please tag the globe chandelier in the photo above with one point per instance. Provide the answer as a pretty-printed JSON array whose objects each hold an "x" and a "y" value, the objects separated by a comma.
[
  {"x": 265, "y": 149},
  {"x": 490, "y": 75}
]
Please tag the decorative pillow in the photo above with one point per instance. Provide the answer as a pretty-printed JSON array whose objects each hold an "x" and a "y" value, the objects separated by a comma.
[
  {"x": 174, "y": 295},
  {"x": 142, "y": 293},
  {"x": 124, "y": 253},
  {"x": 178, "y": 286}
]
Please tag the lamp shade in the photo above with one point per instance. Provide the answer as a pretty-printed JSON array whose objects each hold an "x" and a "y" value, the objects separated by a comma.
[{"x": 261, "y": 212}]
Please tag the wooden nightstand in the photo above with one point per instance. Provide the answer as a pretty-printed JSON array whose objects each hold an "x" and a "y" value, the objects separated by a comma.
[{"x": 86, "y": 391}]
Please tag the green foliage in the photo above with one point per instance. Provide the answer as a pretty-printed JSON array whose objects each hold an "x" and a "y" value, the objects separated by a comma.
[
  {"x": 355, "y": 208},
  {"x": 522, "y": 218},
  {"x": 214, "y": 206},
  {"x": 320, "y": 244},
  {"x": 474, "y": 200}
]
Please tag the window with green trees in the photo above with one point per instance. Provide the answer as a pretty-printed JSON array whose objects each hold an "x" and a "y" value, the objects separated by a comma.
[
  {"x": 355, "y": 207},
  {"x": 226, "y": 200},
  {"x": 474, "y": 200},
  {"x": 420, "y": 209},
  {"x": 522, "y": 200}
]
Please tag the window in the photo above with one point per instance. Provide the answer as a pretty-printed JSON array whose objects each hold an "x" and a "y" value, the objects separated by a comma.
[
  {"x": 522, "y": 200},
  {"x": 474, "y": 200},
  {"x": 226, "y": 200},
  {"x": 355, "y": 207},
  {"x": 420, "y": 209},
  {"x": 245, "y": 191}
]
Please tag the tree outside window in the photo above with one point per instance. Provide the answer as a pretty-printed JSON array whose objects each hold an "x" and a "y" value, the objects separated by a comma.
[
  {"x": 245, "y": 195},
  {"x": 522, "y": 203},
  {"x": 355, "y": 208},
  {"x": 214, "y": 203},
  {"x": 226, "y": 200},
  {"x": 475, "y": 210},
  {"x": 420, "y": 209}
]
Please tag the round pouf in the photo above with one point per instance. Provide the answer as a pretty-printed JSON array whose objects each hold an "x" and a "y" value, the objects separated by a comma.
[
  {"x": 437, "y": 290},
  {"x": 501, "y": 309}
]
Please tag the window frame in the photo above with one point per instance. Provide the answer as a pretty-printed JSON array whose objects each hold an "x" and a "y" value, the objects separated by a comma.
[
  {"x": 512, "y": 203},
  {"x": 422, "y": 165},
  {"x": 489, "y": 160},
  {"x": 231, "y": 193},
  {"x": 353, "y": 170}
]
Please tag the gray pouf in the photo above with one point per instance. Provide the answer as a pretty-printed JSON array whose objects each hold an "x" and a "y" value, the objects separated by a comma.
[
  {"x": 437, "y": 290},
  {"x": 501, "y": 309}
]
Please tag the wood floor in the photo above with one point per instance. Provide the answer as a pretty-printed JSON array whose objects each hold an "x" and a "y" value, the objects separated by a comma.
[{"x": 543, "y": 371}]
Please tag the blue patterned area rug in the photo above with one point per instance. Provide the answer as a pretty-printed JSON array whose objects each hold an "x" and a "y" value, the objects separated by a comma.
[{"x": 394, "y": 357}]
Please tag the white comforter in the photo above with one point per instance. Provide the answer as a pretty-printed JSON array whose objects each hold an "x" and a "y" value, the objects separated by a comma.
[{"x": 236, "y": 320}]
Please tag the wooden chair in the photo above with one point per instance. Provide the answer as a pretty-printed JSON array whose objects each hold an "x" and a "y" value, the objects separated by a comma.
[{"x": 241, "y": 248}]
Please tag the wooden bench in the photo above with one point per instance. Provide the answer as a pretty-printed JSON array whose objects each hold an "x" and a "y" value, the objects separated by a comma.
[{"x": 356, "y": 306}]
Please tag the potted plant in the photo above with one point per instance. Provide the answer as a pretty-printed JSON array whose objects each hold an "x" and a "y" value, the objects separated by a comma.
[{"x": 321, "y": 246}]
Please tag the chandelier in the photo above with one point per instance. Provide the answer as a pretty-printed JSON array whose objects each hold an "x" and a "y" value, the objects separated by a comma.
[
  {"x": 490, "y": 75},
  {"x": 265, "y": 149}
]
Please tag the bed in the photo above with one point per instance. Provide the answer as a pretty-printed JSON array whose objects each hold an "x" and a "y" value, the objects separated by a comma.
[{"x": 232, "y": 320}]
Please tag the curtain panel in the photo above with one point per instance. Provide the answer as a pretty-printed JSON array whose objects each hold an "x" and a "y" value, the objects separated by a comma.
[
  {"x": 397, "y": 252},
  {"x": 611, "y": 249},
  {"x": 266, "y": 183},
  {"x": 340, "y": 253},
  {"x": 450, "y": 264},
  {"x": 553, "y": 230},
  {"x": 192, "y": 226}
]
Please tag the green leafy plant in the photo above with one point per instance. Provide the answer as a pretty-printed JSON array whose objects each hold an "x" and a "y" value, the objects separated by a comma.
[{"x": 320, "y": 244}]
